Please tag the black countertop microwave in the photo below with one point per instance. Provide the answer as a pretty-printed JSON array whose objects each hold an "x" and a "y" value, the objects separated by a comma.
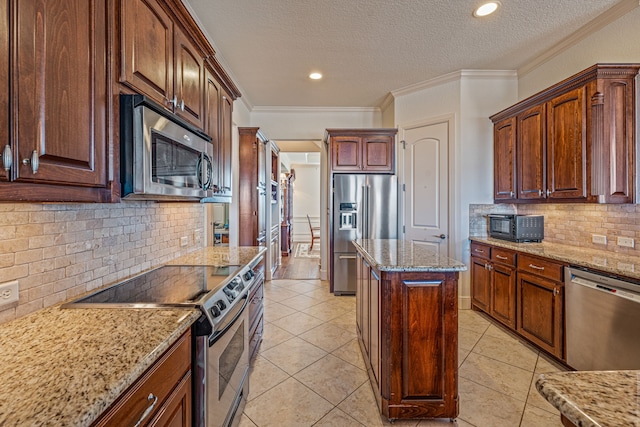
[{"x": 517, "y": 228}]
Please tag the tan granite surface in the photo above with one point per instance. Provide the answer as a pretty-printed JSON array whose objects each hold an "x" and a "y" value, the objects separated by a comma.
[
  {"x": 220, "y": 255},
  {"x": 606, "y": 261},
  {"x": 594, "y": 398},
  {"x": 66, "y": 366},
  {"x": 404, "y": 255}
]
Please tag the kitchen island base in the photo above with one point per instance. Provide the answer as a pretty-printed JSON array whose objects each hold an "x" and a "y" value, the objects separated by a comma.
[{"x": 407, "y": 324}]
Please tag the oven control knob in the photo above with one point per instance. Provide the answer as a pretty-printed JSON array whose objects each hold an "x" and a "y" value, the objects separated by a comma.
[
  {"x": 221, "y": 305},
  {"x": 229, "y": 292},
  {"x": 249, "y": 275},
  {"x": 215, "y": 311}
]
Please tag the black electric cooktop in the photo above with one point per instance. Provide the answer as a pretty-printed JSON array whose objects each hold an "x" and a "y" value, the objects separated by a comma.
[{"x": 174, "y": 284}]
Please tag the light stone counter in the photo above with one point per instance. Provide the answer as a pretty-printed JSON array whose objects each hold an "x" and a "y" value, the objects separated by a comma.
[
  {"x": 594, "y": 398},
  {"x": 66, "y": 366},
  {"x": 404, "y": 255},
  {"x": 605, "y": 261}
]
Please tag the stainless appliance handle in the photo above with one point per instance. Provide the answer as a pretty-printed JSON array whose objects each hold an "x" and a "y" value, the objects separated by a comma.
[
  {"x": 346, "y": 257},
  {"x": 218, "y": 334},
  {"x": 365, "y": 212}
]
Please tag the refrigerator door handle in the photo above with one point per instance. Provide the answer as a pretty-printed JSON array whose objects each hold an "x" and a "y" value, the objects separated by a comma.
[{"x": 346, "y": 257}]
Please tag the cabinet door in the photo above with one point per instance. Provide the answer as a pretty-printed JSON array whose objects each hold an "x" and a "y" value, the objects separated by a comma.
[
  {"x": 5, "y": 112},
  {"x": 189, "y": 79},
  {"x": 480, "y": 284},
  {"x": 374, "y": 325},
  {"x": 225, "y": 160},
  {"x": 346, "y": 153},
  {"x": 60, "y": 92},
  {"x": 146, "y": 51},
  {"x": 176, "y": 412},
  {"x": 503, "y": 295},
  {"x": 539, "y": 309},
  {"x": 504, "y": 160},
  {"x": 567, "y": 146},
  {"x": 531, "y": 164},
  {"x": 378, "y": 153},
  {"x": 366, "y": 308},
  {"x": 212, "y": 126}
]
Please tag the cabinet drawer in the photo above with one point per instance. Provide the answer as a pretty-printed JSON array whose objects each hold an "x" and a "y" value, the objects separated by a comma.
[
  {"x": 503, "y": 256},
  {"x": 542, "y": 267},
  {"x": 158, "y": 381},
  {"x": 481, "y": 251}
]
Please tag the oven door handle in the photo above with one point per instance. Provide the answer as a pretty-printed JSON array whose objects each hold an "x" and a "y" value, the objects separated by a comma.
[{"x": 218, "y": 334}]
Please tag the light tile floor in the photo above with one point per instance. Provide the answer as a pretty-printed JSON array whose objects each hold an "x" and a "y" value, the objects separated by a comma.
[{"x": 309, "y": 370}]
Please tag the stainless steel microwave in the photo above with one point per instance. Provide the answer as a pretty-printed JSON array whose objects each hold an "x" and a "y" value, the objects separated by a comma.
[
  {"x": 161, "y": 156},
  {"x": 517, "y": 228}
]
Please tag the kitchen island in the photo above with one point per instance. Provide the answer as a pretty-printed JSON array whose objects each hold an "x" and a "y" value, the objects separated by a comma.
[
  {"x": 593, "y": 398},
  {"x": 407, "y": 324},
  {"x": 68, "y": 366}
]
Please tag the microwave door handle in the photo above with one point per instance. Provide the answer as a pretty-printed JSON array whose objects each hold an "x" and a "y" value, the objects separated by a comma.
[{"x": 204, "y": 167}]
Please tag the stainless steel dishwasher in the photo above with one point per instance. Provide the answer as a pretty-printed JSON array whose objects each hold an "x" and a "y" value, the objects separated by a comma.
[{"x": 602, "y": 321}]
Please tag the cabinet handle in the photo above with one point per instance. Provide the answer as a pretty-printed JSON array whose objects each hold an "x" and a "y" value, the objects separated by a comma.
[
  {"x": 488, "y": 267},
  {"x": 174, "y": 102},
  {"x": 7, "y": 157},
  {"x": 555, "y": 291},
  {"x": 511, "y": 194},
  {"x": 34, "y": 161},
  {"x": 540, "y": 193},
  {"x": 479, "y": 250},
  {"x": 147, "y": 411},
  {"x": 535, "y": 267},
  {"x": 182, "y": 105},
  {"x": 502, "y": 257},
  {"x": 548, "y": 192}
]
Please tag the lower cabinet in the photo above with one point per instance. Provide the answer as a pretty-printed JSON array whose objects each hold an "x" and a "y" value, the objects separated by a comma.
[
  {"x": 161, "y": 397},
  {"x": 523, "y": 292},
  {"x": 408, "y": 332}
]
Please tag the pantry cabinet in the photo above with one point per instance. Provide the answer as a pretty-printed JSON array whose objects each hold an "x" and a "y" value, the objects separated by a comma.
[
  {"x": 219, "y": 107},
  {"x": 362, "y": 150},
  {"x": 574, "y": 142},
  {"x": 159, "y": 60},
  {"x": 55, "y": 124},
  {"x": 252, "y": 197}
]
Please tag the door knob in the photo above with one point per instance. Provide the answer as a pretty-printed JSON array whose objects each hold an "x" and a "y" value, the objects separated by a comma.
[{"x": 442, "y": 236}]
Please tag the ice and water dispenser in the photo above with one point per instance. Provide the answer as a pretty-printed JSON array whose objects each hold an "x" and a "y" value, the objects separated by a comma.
[{"x": 348, "y": 216}]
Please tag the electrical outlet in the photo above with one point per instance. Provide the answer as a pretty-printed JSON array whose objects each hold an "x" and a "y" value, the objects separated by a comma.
[
  {"x": 184, "y": 241},
  {"x": 9, "y": 292},
  {"x": 625, "y": 241},
  {"x": 599, "y": 239},
  {"x": 197, "y": 235}
]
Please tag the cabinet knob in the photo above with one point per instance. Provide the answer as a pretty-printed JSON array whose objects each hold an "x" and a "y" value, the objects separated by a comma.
[
  {"x": 555, "y": 292},
  {"x": 511, "y": 194},
  {"x": 182, "y": 105},
  {"x": 174, "y": 102},
  {"x": 7, "y": 157},
  {"x": 540, "y": 193},
  {"x": 548, "y": 192},
  {"x": 34, "y": 161}
]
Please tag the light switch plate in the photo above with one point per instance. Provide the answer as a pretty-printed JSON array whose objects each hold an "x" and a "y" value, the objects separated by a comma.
[
  {"x": 599, "y": 239},
  {"x": 625, "y": 241}
]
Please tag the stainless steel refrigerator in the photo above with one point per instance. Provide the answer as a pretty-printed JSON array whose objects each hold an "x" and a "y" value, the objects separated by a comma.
[{"x": 364, "y": 207}]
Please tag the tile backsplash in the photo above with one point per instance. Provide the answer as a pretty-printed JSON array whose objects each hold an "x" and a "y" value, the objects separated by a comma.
[
  {"x": 59, "y": 251},
  {"x": 571, "y": 224}
]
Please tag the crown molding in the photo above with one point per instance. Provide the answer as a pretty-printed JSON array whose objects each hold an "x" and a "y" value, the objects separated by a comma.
[
  {"x": 453, "y": 77},
  {"x": 387, "y": 101},
  {"x": 292, "y": 109},
  {"x": 591, "y": 27}
]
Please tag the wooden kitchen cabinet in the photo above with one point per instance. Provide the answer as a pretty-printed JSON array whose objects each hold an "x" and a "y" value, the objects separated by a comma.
[
  {"x": 407, "y": 331},
  {"x": 159, "y": 59},
  {"x": 362, "y": 150},
  {"x": 219, "y": 107},
  {"x": 57, "y": 148},
  {"x": 575, "y": 141},
  {"x": 256, "y": 318},
  {"x": 5, "y": 111},
  {"x": 165, "y": 388},
  {"x": 252, "y": 197},
  {"x": 480, "y": 284}
]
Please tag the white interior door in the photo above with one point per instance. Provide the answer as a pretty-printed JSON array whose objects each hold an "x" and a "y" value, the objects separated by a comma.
[{"x": 426, "y": 185}]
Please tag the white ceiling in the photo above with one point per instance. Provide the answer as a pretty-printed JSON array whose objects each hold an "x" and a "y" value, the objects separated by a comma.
[{"x": 369, "y": 48}]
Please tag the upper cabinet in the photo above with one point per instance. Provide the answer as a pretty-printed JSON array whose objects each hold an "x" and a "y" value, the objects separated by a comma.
[
  {"x": 55, "y": 126},
  {"x": 160, "y": 61},
  {"x": 362, "y": 150},
  {"x": 219, "y": 107},
  {"x": 574, "y": 142}
]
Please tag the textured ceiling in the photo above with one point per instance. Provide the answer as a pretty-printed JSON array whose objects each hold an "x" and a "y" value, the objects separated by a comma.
[{"x": 368, "y": 48}]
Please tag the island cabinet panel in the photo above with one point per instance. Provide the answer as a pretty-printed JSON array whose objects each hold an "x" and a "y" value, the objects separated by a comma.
[
  {"x": 408, "y": 332},
  {"x": 575, "y": 140}
]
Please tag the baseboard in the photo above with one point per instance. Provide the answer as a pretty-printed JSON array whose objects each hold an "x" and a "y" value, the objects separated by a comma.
[
  {"x": 464, "y": 303},
  {"x": 324, "y": 275}
]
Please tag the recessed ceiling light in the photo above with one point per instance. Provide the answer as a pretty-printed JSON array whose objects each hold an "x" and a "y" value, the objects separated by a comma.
[
  {"x": 486, "y": 9},
  {"x": 315, "y": 76}
]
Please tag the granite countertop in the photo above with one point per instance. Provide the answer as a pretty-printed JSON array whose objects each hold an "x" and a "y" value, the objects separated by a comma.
[
  {"x": 404, "y": 255},
  {"x": 594, "y": 398},
  {"x": 605, "y": 261},
  {"x": 66, "y": 366}
]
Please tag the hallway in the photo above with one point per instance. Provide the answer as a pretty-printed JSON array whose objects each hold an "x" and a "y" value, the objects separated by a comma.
[
  {"x": 309, "y": 370},
  {"x": 299, "y": 267}
]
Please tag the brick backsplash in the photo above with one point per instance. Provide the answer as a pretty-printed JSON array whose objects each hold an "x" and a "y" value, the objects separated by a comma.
[
  {"x": 60, "y": 251},
  {"x": 571, "y": 224}
]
